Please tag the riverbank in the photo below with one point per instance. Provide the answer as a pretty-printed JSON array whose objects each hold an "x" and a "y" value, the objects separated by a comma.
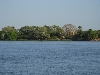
[{"x": 96, "y": 39}]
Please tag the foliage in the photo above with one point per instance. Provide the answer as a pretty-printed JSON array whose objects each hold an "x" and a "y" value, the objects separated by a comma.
[
  {"x": 86, "y": 35},
  {"x": 0, "y": 34},
  {"x": 69, "y": 30},
  {"x": 98, "y": 32},
  {"x": 54, "y": 32},
  {"x": 9, "y": 33}
]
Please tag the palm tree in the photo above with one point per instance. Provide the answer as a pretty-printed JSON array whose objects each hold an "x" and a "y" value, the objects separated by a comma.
[{"x": 80, "y": 27}]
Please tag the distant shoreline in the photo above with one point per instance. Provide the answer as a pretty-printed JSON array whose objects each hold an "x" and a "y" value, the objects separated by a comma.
[{"x": 52, "y": 40}]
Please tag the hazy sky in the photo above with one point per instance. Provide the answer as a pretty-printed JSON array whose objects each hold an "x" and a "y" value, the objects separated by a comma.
[{"x": 18, "y": 13}]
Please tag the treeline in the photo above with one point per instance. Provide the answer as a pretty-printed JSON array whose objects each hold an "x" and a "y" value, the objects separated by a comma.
[{"x": 54, "y": 32}]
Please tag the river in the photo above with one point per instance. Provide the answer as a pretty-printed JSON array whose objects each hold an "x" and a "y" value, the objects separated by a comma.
[{"x": 49, "y": 58}]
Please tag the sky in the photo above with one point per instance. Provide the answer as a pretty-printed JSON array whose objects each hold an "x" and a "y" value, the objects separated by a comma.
[{"x": 19, "y": 13}]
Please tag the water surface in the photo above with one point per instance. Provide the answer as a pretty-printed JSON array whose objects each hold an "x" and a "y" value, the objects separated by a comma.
[{"x": 49, "y": 58}]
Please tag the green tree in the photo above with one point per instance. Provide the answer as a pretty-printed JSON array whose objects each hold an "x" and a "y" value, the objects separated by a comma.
[
  {"x": 26, "y": 32},
  {"x": 9, "y": 33},
  {"x": 78, "y": 35},
  {"x": 92, "y": 34},
  {"x": 33, "y": 33},
  {"x": 56, "y": 32},
  {"x": 0, "y": 34},
  {"x": 89, "y": 35},
  {"x": 98, "y": 33},
  {"x": 79, "y": 27},
  {"x": 41, "y": 33}
]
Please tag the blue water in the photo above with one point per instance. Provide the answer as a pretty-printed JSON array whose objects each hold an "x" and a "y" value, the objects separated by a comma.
[{"x": 49, "y": 58}]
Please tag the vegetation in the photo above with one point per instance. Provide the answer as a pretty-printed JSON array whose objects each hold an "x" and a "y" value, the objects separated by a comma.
[{"x": 54, "y": 32}]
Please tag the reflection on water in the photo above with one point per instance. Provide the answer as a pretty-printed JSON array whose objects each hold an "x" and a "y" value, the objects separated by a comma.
[{"x": 50, "y": 58}]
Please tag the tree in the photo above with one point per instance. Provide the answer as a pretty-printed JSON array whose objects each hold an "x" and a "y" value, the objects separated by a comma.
[
  {"x": 89, "y": 35},
  {"x": 49, "y": 30},
  {"x": 79, "y": 34},
  {"x": 69, "y": 30},
  {"x": 0, "y": 34},
  {"x": 98, "y": 33},
  {"x": 24, "y": 32},
  {"x": 92, "y": 34},
  {"x": 56, "y": 32},
  {"x": 41, "y": 33},
  {"x": 9, "y": 33},
  {"x": 33, "y": 33},
  {"x": 27, "y": 32},
  {"x": 79, "y": 27}
]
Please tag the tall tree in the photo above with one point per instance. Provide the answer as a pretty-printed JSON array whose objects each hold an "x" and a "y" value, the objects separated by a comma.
[
  {"x": 79, "y": 33},
  {"x": 79, "y": 27}
]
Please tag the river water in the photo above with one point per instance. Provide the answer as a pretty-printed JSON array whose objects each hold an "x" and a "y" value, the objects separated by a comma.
[{"x": 49, "y": 58}]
